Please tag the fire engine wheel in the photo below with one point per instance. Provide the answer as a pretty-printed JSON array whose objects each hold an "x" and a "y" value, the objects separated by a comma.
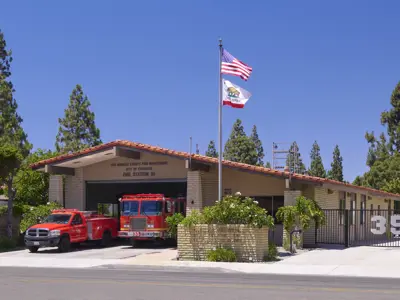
[
  {"x": 106, "y": 239},
  {"x": 64, "y": 245},
  {"x": 33, "y": 249}
]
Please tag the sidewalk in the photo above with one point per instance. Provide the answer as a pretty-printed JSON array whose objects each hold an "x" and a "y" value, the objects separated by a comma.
[{"x": 356, "y": 262}]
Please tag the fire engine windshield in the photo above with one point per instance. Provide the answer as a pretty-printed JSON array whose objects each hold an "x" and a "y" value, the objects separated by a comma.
[
  {"x": 151, "y": 208},
  {"x": 57, "y": 219},
  {"x": 130, "y": 208}
]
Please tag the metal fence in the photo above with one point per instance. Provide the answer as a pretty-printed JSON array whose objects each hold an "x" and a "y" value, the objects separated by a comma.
[{"x": 358, "y": 227}]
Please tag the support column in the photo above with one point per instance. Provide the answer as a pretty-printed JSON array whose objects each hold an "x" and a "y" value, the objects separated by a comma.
[
  {"x": 56, "y": 189},
  {"x": 75, "y": 190},
  {"x": 194, "y": 192}
]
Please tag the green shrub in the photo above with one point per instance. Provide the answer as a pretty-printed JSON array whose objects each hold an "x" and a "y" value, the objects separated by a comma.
[
  {"x": 7, "y": 244},
  {"x": 221, "y": 255},
  {"x": 234, "y": 209},
  {"x": 35, "y": 214},
  {"x": 173, "y": 222},
  {"x": 272, "y": 252},
  {"x": 194, "y": 218}
]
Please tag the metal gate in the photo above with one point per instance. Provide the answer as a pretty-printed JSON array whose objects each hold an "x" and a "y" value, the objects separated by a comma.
[{"x": 360, "y": 227}]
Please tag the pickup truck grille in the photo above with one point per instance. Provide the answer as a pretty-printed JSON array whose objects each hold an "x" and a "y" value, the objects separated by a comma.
[
  {"x": 138, "y": 223},
  {"x": 38, "y": 232}
]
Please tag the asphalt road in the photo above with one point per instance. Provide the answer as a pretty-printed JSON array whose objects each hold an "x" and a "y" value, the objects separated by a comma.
[{"x": 135, "y": 284}]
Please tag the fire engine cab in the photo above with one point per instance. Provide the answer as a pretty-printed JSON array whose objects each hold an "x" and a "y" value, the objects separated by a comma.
[{"x": 143, "y": 216}]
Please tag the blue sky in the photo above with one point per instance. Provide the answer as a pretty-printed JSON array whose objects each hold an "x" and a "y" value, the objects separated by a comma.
[{"x": 321, "y": 71}]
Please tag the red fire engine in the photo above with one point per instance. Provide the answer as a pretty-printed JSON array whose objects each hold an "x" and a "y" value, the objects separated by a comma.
[{"x": 143, "y": 216}]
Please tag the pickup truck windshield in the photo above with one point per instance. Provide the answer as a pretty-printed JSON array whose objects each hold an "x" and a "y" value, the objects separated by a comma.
[
  {"x": 129, "y": 208},
  {"x": 151, "y": 208},
  {"x": 57, "y": 219}
]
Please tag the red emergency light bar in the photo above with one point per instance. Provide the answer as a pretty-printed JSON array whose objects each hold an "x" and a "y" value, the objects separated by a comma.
[{"x": 64, "y": 210}]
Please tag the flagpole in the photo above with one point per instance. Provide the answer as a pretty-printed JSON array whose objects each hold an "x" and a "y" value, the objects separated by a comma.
[{"x": 220, "y": 125}]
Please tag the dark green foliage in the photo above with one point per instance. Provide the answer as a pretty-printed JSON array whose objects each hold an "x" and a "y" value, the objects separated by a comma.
[
  {"x": 336, "y": 171},
  {"x": 239, "y": 147},
  {"x": 272, "y": 252},
  {"x": 212, "y": 151},
  {"x": 14, "y": 146},
  {"x": 268, "y": 165},
  {"x": 77, "y": 129},
  {"x": 221, "y": 255},
  {"x": 32, "y": 215},
  {"x": 316, "y": 167},
  {"x": 294, "y": 160},
  {"x": 258, "y": 144},
  {"x": 391, "y": 119},
  {"x": 32, "y": 187}
]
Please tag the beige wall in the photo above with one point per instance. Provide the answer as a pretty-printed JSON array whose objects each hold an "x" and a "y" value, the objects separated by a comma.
[
  {"x": 249, "y": 244},
  {"x": 149, "y": 167}
]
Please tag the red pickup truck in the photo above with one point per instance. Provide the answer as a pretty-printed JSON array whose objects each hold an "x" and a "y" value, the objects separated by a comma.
[{"x": 71, "y": 226}]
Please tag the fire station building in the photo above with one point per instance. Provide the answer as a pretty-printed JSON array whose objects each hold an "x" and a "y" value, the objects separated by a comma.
[{"x": 95, "y": 179}]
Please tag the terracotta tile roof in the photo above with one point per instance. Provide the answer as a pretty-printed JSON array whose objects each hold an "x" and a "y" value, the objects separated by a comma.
[{"x": 206, "y": 159}]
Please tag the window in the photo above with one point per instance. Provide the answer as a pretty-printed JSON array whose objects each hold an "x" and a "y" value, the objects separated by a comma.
[
  {"x": 396, "y": 207},
  {"x": 342, "y": 207},
  {"x": 151, "y": 208},
  {"x": 363, "y": 209},
  {"x": 57, "y": 219},
  {"x": 168, "y": 206},
  {"x": 129, "y": 208},
  {"x": 353, "y": 206},
  {"x": 77, "y": 220}
]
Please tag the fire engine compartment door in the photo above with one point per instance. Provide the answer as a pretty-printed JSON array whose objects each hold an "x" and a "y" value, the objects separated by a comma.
[{"x": 101, "y": 195}]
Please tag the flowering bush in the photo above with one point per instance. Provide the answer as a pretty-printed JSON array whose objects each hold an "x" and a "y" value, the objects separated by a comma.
[{"x": 232, "y": 209}]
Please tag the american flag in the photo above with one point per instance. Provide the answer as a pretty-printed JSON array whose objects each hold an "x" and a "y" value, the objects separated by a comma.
[{"x": 233, "y": 66}]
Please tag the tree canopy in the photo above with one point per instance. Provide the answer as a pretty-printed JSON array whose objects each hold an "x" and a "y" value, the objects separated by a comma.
[
  {"x": 336, "y": 171},
  {"x": 211, "y": 150},
  {"x": 77, "y": 129},
  {"x": 258, "y": 144},
  {"x": 294, "y": 160},
  {"x": 239, "y": 147},
  {"x": 316, "y": 167}
]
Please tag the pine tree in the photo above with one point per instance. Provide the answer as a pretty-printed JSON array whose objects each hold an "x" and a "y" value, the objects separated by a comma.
[
  {"x": 77, "y": 129},
  {"x": 336, "y": 171},
  {"x": 268, "y": 165},
  {"x": 14, "y": 145},
  {"x": 294, "y": 160},
  {"x": 212, "y": 151},
  {"x": 391, "y": 119},
  {"x": 259, "y": 148},
  {"x": 239, "y": 147},
  {"x": 316, "y": 167}
]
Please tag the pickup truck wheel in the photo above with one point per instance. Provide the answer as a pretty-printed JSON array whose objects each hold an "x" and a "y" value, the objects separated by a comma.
[
  {"x": 33, "y": 249},
  {"x": 64, "y": 245},
  {"x": 106, "y": 239}
]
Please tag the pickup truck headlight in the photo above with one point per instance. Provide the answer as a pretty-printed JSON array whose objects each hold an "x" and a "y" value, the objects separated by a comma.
[{"x": 55, "y": 233}]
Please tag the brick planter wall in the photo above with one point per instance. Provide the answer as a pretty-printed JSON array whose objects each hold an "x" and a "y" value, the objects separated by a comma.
[{"x": 249, "y": 244}]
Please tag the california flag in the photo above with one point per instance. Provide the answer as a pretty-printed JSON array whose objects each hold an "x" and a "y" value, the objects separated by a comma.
[{"x": 234, "y": 95}]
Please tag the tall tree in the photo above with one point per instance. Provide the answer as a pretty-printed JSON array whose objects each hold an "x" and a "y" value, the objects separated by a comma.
[
  {"x": 391, "y": 119},
  {"x": 316, "y": 167},
  {"x": 239, "y": 147},
  {"x": 14, "y": 145},
  {"x": 336, "y": 171},
  {"x": 268, "y": 165},
  {"x": 294, "y": 160},
  {"x": 212, "y": 151},
  {"x": 259, "y": 148},
  {"x": 77, "y": 129}
]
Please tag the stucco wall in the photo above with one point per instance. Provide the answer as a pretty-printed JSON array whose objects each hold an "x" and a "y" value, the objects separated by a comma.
[
  {"x": 249, "y": 244},
  {"x": 149, "y": 167}
]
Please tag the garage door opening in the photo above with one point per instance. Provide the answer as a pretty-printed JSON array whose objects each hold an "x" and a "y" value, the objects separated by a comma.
[{"x": 103, "y": 197}]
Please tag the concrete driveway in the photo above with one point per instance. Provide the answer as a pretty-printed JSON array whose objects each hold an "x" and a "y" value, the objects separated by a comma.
[{"x": 83, "y": 256}]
